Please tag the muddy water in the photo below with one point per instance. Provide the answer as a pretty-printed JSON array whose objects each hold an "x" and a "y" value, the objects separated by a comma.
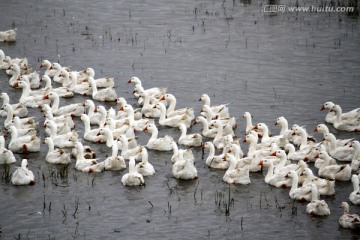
[{"x": 279, "y": 64}]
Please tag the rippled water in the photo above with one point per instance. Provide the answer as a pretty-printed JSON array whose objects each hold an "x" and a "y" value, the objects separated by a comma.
[{"x": 272, "y": 65}]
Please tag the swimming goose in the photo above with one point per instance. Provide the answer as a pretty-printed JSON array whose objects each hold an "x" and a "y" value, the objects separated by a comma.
[
  {"x": 127, "y": 152},
  {"x": 19, "y": 109},
  {"x": 302, "y": 193},
  {"x": 213, "y": 161},
  {"x": 105, "y": 95},
  {"x": 151, "y": 91},
  {"x": 185, "y": 169},
  {"x": 348, "y": 220},
  {"x": 56, "y": 155},
  {"x": 8, "y": 36},
  {"x": 324, "y": 186},
  {"x": 82, "y": 88},
  {"x": 6, "y": 156},
  {"x": 125, "y": 129},
  {"x": 334, "y": 172},
  {"x": 283, "y": 165},
  {"x": 330, "y": 116},
  {"x": 286, "y": 132},
  {"x": 355, "y": 162},
  {"x": 321, "y": 158},
  {"x": 139, "y": 124},
  {"x": 95, "y": 117},
  {"x": 294, "y": 155},
  {"x": 75, "y": 109},
  {"x": 61, "y": 140},
  {"x": 58, "y": 70},
  {"x": 32, "y": 78},
  {"x": 355, "y": 195},
  {"x": 322, "y": 128},
  {"x": 103, "y": 82},
  {"x": 22, "y": 175},
  {"x": 115, "y": 162},
  {"x": 317, "y": 207},
  {"x": 87, "y": 165},
  {"x": 88, "y": 152},
  {"x": 279, "y": 179},
  {"x": 47, "y": 65},
  {"x": 221, "y": 110},
  {"x": 190, "y": 140},
  {"x": 235, "y": 174},
  {"x": 180, "y": 154},
  {"x": 249, "y": 124},
  {"x": 61, "y": 91},
  {"x": 133, "y": 178},
  {"x": 349, "y": 124},
  {"x": 28, "y": 97},
  {"x": 170, "y": 112},
  {"x": 9, "y": 121},
  {"x": 219, "y": 140},
  {"x": 344, "y": 153},
  {"x": 91, "y": 135},
  {"x": 23, "y": 144},
  {"x": 144, "y": 167},
  {"x": 155, "y": 143},
  {"x": 206, "y": 132},
  {"x": 266, "y": 140},
  {"x": 174, "y": 121}
]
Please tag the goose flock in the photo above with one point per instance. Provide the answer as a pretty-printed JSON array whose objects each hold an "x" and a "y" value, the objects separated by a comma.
[{"x": 286, "y": 156}]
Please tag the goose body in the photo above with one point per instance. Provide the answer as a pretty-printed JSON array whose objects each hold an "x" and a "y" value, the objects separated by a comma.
[
  {"x": 8, "y": 36},
  {"x": 6, "y": 156},
  {"x": 277, "y": 180},
  {"x": 22, "y": 175},
  {"x": 47, "y": 65},
  {"x": 23, "y": 144},
  {"x": 180, "y": 154},
  {"x": 324, "y": 186},
  {"x": 173, "y": 121},
  {"x": 185, "y": 169},
  {"x": 61, "y": 91},
  {"x": 19, "y": 109},
  {"x": 155, "y": 143},
  {"x": 61, "y": 140},
  {"x": 317, "y": 207},
  {"x": 213, "y": 161},
  {"x": 133, "y": 178},
  {"x": 221, "y": 110},
  {"x": 56, "y": 156},
  {"x": 346, "y": 122},
  {"x": 91, "y": 135},
  {"x": 206, "y": 132},
  {"x": 190, "y": 140},
  {"x": 344, "y": 153},
  {"x": 144, "y": 167},
  {"x": 355, "y": 194},
  {"x": 302, "y": 193},
  {"x": 75, "y": 109},
  {"x": 334, "y": 172},
  {"x": 114, "y": 162},
  {"x": 87, "y": 165},
  {"x": 235, "y": 174},
  {"x": 127, "y": 152},
  {"x": 103, "y": 82},
  {"x": 104, "y": 95},
  {"x": 348, "y": 220}
]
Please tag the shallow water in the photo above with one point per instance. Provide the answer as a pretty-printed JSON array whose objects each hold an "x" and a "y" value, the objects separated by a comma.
[{"x": 272, "y": 65}]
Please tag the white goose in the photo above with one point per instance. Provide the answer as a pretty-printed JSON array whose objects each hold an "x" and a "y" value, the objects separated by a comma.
[
  {"x": 213, "y": 161},
  {"x": 334, "y": 172},
  {"x": 172, "y": 104},
  {"x": 95, "y": 117},
  {"x": 174, "y": 121},
  {"x": 155, "y": 143},
  {"x": 180, "y": 154},
  {"x": 185, "y": 169},
  {"x": 144, "y": 167},
  {"x": 286, "y": 132},
  {"x": 22, "y": 175},
  {"x": 56, "y": 156},
  {"x": 27, "y": 97},
  {"x": 221, "y": 110},
  {"x": 302, "y": 193},
  {"x": 266, "y": 140},
  {"x": 58, "y": 70},
  {"x": 219, "y": 140},
  {"x": 82, "y": 88},
  {"x": 355, "y": 195},
  {"x": 19, "y": 109},
  {"x": 294, "y": 155},
  {"x": 348, "y": 220},
  {"x": 151, "y": 91},
  {"x": 190, "y": 140},
  {"x": 249, "y": 124},
  {"x": 61, "y": 91},
  {"x": 75, "y": 109},
  {"x": 235, "y": 174},
  {"x": 87, "y": 165},
  {"x": 103, "y": 82},
  {"x": 25, "y": 122},
  {"x": 6, "y": 156},
  {"x": 61, "y": 140},
  {"x": 23, "y": 144},
  {"x": 206, "y": 132},
  {"x": 47, "y": 65},
  {"x": 317, "y": 207},
  {"x": 139, "y": 124},
  {"x": 355, "y": 162},
  {"x": 114, "y": 162},
  {"x": 349, "y": 124},
  {"x": 330, "y": 116},
  {"x": 344, "y": 153},
  {"x": 91, "y": 135},
  {"x": 133, "y": 178},
  {"x": 322, "y": 128},
  {"x": 88, "y": 152},
  {"x": 8, "y": 36},
  {"x": 127, "y": 152},
  {"x": 125, "y": 129},
  {"x": 324, "y": 186},
  {"x": 283, "y": 165},
  {"x": 279, "y": 179},
  {"x": 104, "y": 95},
  {"x": 32, "y": 78}
]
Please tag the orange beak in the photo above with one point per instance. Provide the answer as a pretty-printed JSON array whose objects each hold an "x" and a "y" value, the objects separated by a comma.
[
  {"x": 41, "y": 65},
  {"x": 46, "y": 97},
  {"x": 244, "y": 140},
  {"x": 16, "y": 85},
  {"x": 322, "y": 108},
  {"x": 261, "y": 163},
  {"x": 162, "y": 98},
  {"x": 121, "y": 108},
  {"x": 145, "y": 129},
  {"x": 255, "y": 127},
  {"x": 273, "y": 154},
  {"x": 315, "y": 129},
  {"x": 129, "y": 81}
]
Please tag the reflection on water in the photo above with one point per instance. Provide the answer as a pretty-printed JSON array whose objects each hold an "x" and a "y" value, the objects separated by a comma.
[{"x": 283, "y": 64}]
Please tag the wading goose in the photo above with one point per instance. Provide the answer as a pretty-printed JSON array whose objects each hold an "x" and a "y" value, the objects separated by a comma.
[
  {"x": 180, "y": 154},
  {"x": 22, "y": 175},
  {"x": 103, "y": 82},
  {"x": 133, "y": 178},
  {"x": 355, "y": 195},
  {"x": 23, "y": 144},
  {"x": 185, "y": 169},
  {"x": 115, "y": 162},
  {"x": 213, "y": 161},
  {"x": 56, "y": 155},
  {"x": 348, "y": 220},
  {"x": 75, "y": 109},
  {"x": 324, "y": 186},
  {"x": 302, "y": 193},
  {"x": 6, "y": 156},
  {"x": 155, "y": 143},
  {"x": 19, "y": 109},
  {"x": 144, "y": 167},
  {"x": 235, "y": 174},
  {"x": 87, "y": 165},
  {"x": 47, "y": 65},
  {"x": 105, "y": 95},
  {"x": 221, "y": 110},
  {"x": 190, "y": 140},
  {"x": 8, "y": 36},
  {"x": 317, "y": 207}
]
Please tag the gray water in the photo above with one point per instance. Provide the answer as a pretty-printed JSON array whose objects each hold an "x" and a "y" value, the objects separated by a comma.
[{"x": 270, "y": 64}]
